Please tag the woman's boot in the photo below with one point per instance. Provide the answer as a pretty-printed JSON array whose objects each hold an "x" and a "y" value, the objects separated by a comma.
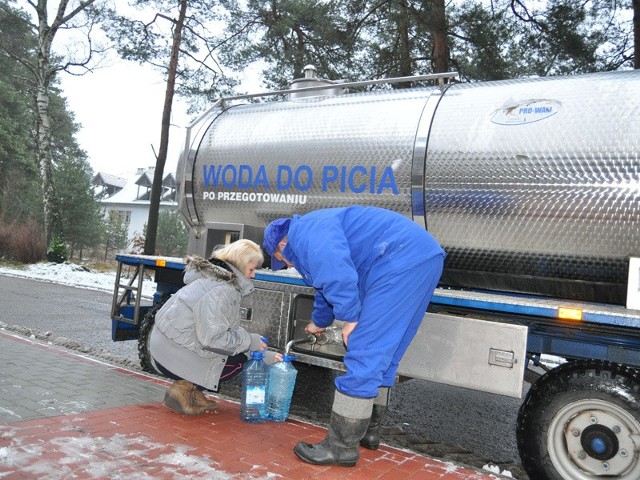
[
  {"x": 181, "y": 398},
  {"x": 371, "y": 439},
  {"x": 349, "y": 419},
  {"x": 201, "y": 400}
]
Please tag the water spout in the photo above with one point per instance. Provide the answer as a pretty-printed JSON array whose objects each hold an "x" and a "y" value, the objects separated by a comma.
[{"x": 308, "y": 339}]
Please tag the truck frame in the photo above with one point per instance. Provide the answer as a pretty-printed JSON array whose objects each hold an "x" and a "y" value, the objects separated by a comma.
[
  {"x": 579, "y": 420},
  {"x": 473, "y": 339}
]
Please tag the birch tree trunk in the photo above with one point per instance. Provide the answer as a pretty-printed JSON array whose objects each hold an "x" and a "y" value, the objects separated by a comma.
[
  {"x": 52, "y": 223},
  {"x": 45, "y": 72}
]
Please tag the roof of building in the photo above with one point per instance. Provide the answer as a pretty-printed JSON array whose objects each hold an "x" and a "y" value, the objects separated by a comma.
[
  {"x": 133, "y": 187},
  {"x": 104, "y": 179}
]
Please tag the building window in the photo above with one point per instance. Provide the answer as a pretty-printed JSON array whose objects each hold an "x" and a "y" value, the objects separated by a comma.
[{"x": 120, "y": 216}]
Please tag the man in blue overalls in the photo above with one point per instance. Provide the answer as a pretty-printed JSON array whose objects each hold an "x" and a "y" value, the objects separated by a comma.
[{"x": 376, "y": 270}]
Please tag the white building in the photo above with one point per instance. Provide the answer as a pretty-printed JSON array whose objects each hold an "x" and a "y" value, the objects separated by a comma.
[{"x": 127, "y": 196}]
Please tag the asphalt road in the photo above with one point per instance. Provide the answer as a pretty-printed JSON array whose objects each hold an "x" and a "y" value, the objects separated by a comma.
[{"x": 445, "y": 422}]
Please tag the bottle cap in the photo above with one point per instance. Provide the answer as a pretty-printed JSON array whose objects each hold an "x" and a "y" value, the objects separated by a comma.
[
  {"x": 257, "y": 355},
  {"x": 289, "y": 358}
]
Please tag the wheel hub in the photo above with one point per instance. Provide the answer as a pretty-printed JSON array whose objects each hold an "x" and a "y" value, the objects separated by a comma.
[{"x": 600, "y": 442}]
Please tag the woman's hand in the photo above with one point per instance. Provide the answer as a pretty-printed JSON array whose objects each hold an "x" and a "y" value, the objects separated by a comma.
[
  {"x": 271, "y": 357},
  {"x": 312, "y": 329}
]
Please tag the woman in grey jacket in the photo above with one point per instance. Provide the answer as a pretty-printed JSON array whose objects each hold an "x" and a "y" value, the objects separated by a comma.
[{"x": 197, "y": 339}]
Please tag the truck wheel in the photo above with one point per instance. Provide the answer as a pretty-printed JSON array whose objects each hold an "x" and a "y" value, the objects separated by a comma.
[
  {"x": 146, "y": 325},
  {"x": 582, "y": 421}
]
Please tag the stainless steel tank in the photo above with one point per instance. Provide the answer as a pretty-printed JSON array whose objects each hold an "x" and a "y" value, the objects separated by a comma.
[{"x": 530, "y": 185}]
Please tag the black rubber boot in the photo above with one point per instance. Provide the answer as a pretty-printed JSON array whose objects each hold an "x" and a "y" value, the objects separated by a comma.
[
  {"x": 371, "y": 439},
  {"x": 340, "y": 447}
]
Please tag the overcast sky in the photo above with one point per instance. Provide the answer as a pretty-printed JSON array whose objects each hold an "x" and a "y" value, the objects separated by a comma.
[{"x": 119, "y": 108}]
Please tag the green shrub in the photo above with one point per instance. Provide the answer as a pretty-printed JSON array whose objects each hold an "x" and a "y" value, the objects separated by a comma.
[{"x": 57, "y": 251}]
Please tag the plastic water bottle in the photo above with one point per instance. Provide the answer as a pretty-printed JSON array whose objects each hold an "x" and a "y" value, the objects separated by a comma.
[
  {"x": 280, "y": 382},
  {"x": 254, "y": 388}
]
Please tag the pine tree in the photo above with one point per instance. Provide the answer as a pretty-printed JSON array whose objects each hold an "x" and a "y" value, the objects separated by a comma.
[
  {"x": 172, "y": 234},
  {"x": 80, "y": 210},
  {"x": 115, "y": 234},
  {"x": 42, "y": 65}
]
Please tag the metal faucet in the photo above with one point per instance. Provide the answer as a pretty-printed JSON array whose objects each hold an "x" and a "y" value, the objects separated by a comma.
[{"x": 308, "y": 339}]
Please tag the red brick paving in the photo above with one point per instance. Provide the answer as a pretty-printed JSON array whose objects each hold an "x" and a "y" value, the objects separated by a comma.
[
  {"x": 150, "y": 441},
  {"x": 142, "y": 440}
]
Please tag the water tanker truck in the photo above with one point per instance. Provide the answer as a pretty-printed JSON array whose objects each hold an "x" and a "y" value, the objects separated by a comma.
[{"x": 532, "y": 186}]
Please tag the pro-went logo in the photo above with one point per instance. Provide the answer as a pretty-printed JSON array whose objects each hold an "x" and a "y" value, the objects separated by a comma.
[{"x": 525, "y": 111}]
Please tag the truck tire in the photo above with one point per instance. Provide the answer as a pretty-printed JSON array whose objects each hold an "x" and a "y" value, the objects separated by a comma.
[
  {"x": 146, "y": 325},
  {"x": 581, "y": 421}
]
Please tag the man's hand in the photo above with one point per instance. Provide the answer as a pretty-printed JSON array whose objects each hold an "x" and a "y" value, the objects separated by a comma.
[
  {"x": 347, "y": 329},
  {"x": 312, "y": 329}
]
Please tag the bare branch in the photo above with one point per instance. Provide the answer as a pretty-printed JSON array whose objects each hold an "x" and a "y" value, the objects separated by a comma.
[
  {"x": 370, "y": 12},
  {"x": 82, "y": 6},
  {"x": 202, "y": 62}
]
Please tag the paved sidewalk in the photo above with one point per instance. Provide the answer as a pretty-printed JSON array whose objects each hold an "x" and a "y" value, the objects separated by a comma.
[{"x": 63, "y": 416}]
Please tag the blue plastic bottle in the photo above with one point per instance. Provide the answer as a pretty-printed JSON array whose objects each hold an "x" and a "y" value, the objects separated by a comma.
[
  {"x": 280, "y": 382},
  {"x": 254, "y": 386}
]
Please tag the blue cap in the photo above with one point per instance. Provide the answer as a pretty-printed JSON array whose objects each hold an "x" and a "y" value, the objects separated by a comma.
[
  {"x": 273, "y": 235},
  {"x": 257, "y": 355}
]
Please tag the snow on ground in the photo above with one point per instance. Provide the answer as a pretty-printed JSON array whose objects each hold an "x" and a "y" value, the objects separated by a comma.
[
  {"x": 104, "y": 457},
  {"x": 75, "y": 275}
]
